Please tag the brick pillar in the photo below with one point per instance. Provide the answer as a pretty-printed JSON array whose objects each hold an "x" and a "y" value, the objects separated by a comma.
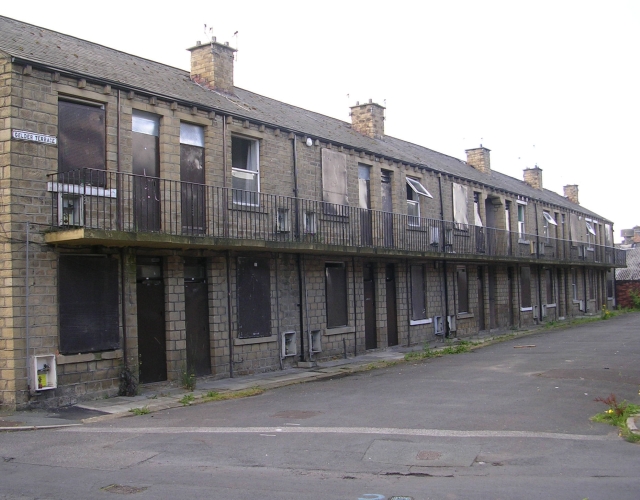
[
  {"x": 479, "y": 158},
  {"x": 571, "y": 192},
  {"x": 175, "y": 318}
]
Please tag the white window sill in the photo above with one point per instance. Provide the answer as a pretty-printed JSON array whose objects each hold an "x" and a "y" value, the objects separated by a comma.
[
  {"x": 84, "y": 189},
  {"x": 526, "y": 242},
  {"x": 425, "y": 321},
  {"x": 339, "y": 330},
  {"x": 65, "y": 359},
  {"x": 464, "y": 315},
  {"x": 525, "y": 309},
  {"x": 551, "y": 306}
]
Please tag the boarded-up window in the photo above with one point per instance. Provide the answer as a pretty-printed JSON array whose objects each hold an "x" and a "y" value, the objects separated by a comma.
[
  {"x": 88, "y": 304},
  {"x": 577, "y": 236},
  {"x": 462, "y": 283},
  {"x": 418, "y": 302},
  {"x": 548, "y": 279},
  {"x": 336, "y": 293},
  {"x": 574, "y": 284},
  {"x": 81, "y": 132},
  {"x": 254, "y": 297},
  {"x": 334, "y": 182},
  {"x": 460, "y": 212},
  {"x": 525, "y": 286}
]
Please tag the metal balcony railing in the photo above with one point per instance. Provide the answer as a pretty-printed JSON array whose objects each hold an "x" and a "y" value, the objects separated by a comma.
[{"x": 114, "y": 201}]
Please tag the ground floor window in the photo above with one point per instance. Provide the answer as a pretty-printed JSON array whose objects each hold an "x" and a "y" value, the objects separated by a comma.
[
  {"x": 548, "y": 280},
  {"x": 418, "y": 298},
  {"x": 463, "y": 289},
  {"x": 336, "y": 294},
  {"x": 88, "y": 304},
  {"x": 254, "y": 297},
  {"x": 525, "y": 286}
]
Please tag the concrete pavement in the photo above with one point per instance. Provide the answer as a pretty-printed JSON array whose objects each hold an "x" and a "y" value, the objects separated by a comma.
[{"x": 161, "y": 396}]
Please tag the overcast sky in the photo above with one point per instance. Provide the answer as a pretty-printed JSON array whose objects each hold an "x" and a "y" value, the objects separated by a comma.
[{"x": 552, "y": 83}]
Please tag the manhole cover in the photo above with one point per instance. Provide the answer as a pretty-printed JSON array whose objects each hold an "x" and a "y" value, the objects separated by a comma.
[
  {"x": 122, "y": 489},
  {"x": 296, "y": 414},
  {"x": 428, "y": 455}
]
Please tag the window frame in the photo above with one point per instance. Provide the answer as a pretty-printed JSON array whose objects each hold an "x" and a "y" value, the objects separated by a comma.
[
  {"x": 521, "y": 210},
  {"x": 241, "y": 197},
  {"x": 334, "y": 317},
  {"x": 88, "y": 304},
  {"x": 525, "y": 291},
  {"x": 462, "y": 292},
  {"x": 418, "y": 295}
]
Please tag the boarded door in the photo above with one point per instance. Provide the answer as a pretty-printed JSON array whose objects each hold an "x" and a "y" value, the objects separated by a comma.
[
  {"x": 392, "y": 313},
  {"x": 370, "y": 339},
  {"x": 481, "y": 322},
  {"x": 151, "y": 322},
  {"x": 196, "y": 304},
  {"x": 254, "y": 298}
]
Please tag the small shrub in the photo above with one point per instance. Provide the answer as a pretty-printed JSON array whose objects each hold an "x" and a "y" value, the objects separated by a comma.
[
  {"x": 128, "y": 383},
  {"x": 187, "y": 399},
  {"x": 617, "y": 415},
  {"x": 634, "y": 295},
  {"x": 606, "y": 314},
  {"x": 188, "y": 379},
  {"x": 140, "y": 411}
]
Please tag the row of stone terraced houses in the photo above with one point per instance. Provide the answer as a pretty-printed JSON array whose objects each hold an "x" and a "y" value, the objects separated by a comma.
[{"x": 168, "y": 222}]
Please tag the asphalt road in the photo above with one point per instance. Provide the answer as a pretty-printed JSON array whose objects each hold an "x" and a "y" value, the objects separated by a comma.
[{"x": 502, "y": 422}]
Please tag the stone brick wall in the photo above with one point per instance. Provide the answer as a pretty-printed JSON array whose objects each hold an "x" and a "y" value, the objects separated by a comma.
[
  {"x": 623, "y": 289},
  {"x": 368, "y": 119}
]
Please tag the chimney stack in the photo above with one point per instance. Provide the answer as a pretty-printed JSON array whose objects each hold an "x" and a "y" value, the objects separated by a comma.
[
  {"x": 479, "y": 159},
  {"x": 533, "y": 177},
  {"x": 571, "y": 192},
  {"x": 212, "y": 65},
  {"x": 368, "y": 119}
]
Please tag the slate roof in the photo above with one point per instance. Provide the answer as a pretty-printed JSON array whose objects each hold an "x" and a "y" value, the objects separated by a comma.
[
  {"x": 96, "y": 62},
  {"x": 632, "y": 271}
]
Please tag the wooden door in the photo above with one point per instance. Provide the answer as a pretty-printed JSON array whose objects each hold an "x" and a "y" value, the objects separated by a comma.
[
  {"x": 152, "y": 350},
  {"x": 196, "y": 305},
  {"x": 370, "y": 340}
]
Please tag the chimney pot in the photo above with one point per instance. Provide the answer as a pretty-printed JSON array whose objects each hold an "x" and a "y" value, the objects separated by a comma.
[
  {"x": 226, "y": 43},
  {"x": 198, "y": 43},
  {"x": 571, "y": 192},
  {"x": 533, "y": 177},
  {"x": 212, "y": 65},
  {"x": 479, "y": 158},
  {"x": 368, "y": 119}
]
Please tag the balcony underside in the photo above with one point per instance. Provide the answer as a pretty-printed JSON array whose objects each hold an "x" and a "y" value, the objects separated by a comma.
[{"x": 86, "y": 237}]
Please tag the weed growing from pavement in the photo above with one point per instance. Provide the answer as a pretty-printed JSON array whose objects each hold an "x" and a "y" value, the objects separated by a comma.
[
  {"x": 187, "y": 399},
  {"x": 606, "y": 314},
  {"x": 188, "y": 379},
  {"x": 617, "y": 415},
  {"x": 427, "y": 352},
  {"x": 140, "y": 411},
  {"x": 222, "y": 396}
]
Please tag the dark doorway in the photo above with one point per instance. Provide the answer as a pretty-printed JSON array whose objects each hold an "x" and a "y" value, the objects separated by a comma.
[
  {"x": 152, "y": 350},
  {"x": 387, "y": 209},
  {"x": 510, "y": 294},
  {"x": 392, "y": 313},
  {"x": 196, "y": 305},
  {"x": 481, "y": 321},
  {"x": 493, "y": 295},
  {"x": 370, "y": 340},
  {"x": 254, "y": 297}
]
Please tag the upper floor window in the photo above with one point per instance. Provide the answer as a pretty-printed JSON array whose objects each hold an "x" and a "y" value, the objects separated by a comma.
[
  {"x": 414, "y": 190},
  {"x": 245, "y": 163},
  {"x": 548, "y": 220},
  {"x": 591, "y": 233},
  {"x": 460, "y": 210},
  {"x": 334, "y": 182},
  {"x": 521, "y": 220},
  {"x": 81, "y": 145},
  {"x": 192, "y": 188}
]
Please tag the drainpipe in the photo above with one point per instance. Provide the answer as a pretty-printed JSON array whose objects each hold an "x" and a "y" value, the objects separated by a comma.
[
  {"x": 294, "y": 143},
  {"x": 228, "y": 260},
  {"x": 355, "y": 316},
  {"x": 123, "y": 292},
  {"x": 407, "y": 278},
  {"x": 447, "y": 331},
  {"x": 539, "y": 267},
  {"x": 32, "y": 390}
]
